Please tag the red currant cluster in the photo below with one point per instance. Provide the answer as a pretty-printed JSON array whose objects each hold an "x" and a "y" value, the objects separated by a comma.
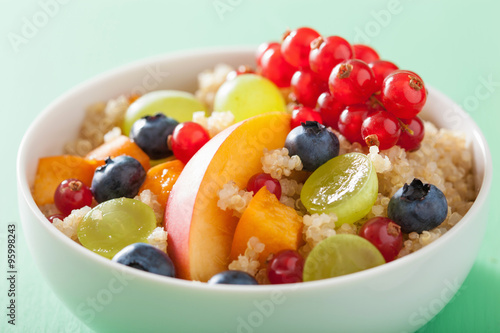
[{"x": 347, "y": 87}]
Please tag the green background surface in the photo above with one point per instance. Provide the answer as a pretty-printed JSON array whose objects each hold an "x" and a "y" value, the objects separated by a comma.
[{"x": 453, "y": 45}]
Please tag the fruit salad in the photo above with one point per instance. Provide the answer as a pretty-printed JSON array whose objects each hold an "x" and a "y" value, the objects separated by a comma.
[{"x": 310, "y": 164}]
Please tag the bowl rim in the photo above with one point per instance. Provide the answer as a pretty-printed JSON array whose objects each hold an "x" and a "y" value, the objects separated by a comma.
[{"x": 24, "y": 191}]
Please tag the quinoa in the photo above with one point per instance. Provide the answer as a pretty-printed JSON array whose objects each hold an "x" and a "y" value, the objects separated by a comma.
[
  {"x": 69, "y": 225},
  {"x": 158, "y": 239},
  {"x": 278, "y": 163},
  {"x": 381, "y": 163},
  {"x": 290, "y": 192},
  {"x": 347, "y": 228},
  {"x": 151, "y": 199},
  {"x": 216, "y": 122},
  {"x": 209, "y": 81},
  {"x": 231, "y": 197},
  {"x": 249, "y": 261},
  {"x": 317, "y": 227},
  {"x": 112, "y": 134},
  {"x": 100, "y": 118}
]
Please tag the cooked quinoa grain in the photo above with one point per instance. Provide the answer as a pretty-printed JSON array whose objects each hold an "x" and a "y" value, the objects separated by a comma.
[
  {"x": 151, "y": 199},
  {"x": 317, "y": 227},
  {"x": 69, "y": 225},
  {"x": 215, "y": 123},
  {"x": 231, "y": 197},
  {"x": 249, "y": 261},
  {"x": 158, "y": 239},
  {"x": 278, "y": 163}
]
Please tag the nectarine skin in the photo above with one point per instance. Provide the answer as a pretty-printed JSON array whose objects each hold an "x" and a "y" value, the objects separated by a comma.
[{"x": 200, "y": 234}]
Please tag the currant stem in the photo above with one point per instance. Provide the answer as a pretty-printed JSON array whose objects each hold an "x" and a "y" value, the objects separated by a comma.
[
  {"x": 405, "y": 127},
  {"x": 375, "y": 100}
]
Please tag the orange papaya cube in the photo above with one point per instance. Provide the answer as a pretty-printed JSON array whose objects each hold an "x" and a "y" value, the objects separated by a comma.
[
  {"x": 52, "y": 170},
  {"x": 276, "y": 225},
  {"x": 161, "y": 178},
  {"x": 121, "y": 145}
]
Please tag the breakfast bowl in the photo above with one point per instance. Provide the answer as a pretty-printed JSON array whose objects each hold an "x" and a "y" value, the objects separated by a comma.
[{"x": 399, "y": 296}]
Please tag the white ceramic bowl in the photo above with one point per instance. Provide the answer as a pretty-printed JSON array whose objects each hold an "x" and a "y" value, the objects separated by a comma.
[{"x": 400, "y": 296}]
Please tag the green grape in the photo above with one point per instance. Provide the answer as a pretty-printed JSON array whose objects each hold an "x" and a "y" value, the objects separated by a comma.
[
  {"x": 114, "y": 224},
  {"x": 176, "y": 104},
  {"x": 340, "y": 255},
  {"x": 346, "y": 185},
  {"x": 248, "y": 95}
]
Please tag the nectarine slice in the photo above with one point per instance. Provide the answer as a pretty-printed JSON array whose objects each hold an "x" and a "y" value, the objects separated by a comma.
[
  {"x": 120, "y": 145},
  {"x": 52, "y": 170},
  {"x": 161, "y": 178},
  {"x": 200, "y": 234},
  {"x": 276, "y": 225}
]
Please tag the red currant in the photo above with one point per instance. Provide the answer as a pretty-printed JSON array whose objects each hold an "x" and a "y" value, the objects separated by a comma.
[
  {"x": 51, "y": 218},
  {"x": 403, "y": 94},
  {"x": 365, "y": 53},
  {"x": 187, "y": 139},
  {"x": 327, "y": 52},
  {"x": 330, "y": 110},
  {"x": 296, "y": 46},
  {"x": 262, "y": 48},
  {"x": 350, "y": 122},
  {"x": 381, "y": 69},
  {"x": 385, "y": 235},
  {"x": 257, "y": 181},
  {"x": 275, "y": 68},
  {"x": 412, "y": 134},
  {"x": 242, "y": 69},
  {"x": 307, "y": 86},
  {"x": 301, "y": 114},
  {"x": 285, "y": 266},
  {"x": 381, "y": 128},
  {"x": 352, "y": 82},
  {"x": 72, "y": 194}
]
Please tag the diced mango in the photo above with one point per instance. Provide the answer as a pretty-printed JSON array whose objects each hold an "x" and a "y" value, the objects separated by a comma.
[
  {"x": 276, "y": 225},
  {"x": 161, "y": 178},
  {"x": 121, "y": 145},
  {"x": 52, "y": 170}
]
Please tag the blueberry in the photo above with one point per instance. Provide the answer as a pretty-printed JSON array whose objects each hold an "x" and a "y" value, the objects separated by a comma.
[
  {"x": 232, "y": 277},
  {"x": 313, "y": 143},
  {"x": 150, "y": 133},
  {"x": 418, "y": 207},
  {"x": 119, "y": 177},
  {"x": 147, "y": 258}
]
